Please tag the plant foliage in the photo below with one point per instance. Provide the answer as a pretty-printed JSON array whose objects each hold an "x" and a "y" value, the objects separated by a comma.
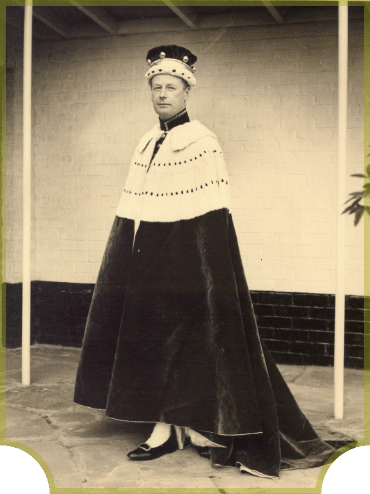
[{"x": 356, "y": 197}]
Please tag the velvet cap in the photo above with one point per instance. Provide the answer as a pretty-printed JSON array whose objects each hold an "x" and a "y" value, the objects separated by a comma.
[{"x": 171, "y": 60}]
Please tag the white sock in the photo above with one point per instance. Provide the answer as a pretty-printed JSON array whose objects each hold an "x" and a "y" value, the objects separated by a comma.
[
  {"x": 199, "y": 440},
  {"x": 160, "y": 434}
]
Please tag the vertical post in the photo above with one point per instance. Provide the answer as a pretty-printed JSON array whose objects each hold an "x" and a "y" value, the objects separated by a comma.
[
  {"x": 26, "y": 284},
  {"x": 340, "y": 238}
]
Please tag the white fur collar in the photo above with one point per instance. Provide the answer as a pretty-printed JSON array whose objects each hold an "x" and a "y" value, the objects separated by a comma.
[{"x": 180, "y": 137}]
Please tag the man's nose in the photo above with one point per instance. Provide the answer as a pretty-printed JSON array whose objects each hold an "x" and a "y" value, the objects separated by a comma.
[{"x": 163, "y": 93}]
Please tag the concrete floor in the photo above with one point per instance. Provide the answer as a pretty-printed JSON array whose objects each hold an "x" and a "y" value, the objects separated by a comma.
[{"x": 83, "y": 448}]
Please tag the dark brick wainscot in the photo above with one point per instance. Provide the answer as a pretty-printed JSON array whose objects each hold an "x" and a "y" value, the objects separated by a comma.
[{"x": 298, "y": 328}]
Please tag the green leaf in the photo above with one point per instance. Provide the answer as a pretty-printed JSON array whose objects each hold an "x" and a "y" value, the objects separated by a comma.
[
  {"x": 368, "y": 168},
  {"x": 358, "y": 216},
  {"x": 352, "y": 208},
  {"x": 357, "y": 194},
  {"x": 350, "y": 199}
]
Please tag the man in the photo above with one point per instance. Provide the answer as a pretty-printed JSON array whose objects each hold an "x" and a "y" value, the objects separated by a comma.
[{"x": 171, "y": 337}]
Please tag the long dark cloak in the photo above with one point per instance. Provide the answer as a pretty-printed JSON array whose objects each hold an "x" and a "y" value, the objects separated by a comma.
[{"x": 171, "y": 337}]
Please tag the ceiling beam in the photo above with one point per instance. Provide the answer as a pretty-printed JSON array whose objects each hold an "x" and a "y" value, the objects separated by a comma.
[
  {"x": 168, "y": 24},
  {"x": 180, "y": 13},
  {"x": 99, "y": 16},
  {"x": 274, "y": 12},
  {"x": 49, "y": 18},
  {"x": 51, "y": 21},
  {"x": 146, "y": 26},
  {"x": 204, "y": 22}
]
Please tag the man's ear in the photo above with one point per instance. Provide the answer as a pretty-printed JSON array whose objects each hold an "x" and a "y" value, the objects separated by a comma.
[{"x": 187, "y": 92}]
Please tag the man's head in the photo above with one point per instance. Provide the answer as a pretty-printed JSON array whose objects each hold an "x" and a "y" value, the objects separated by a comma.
[
  {"x": 170, "y": 75},
  {"x": 169, "y": 95}
]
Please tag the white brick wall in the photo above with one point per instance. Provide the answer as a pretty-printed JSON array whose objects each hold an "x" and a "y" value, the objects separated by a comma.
[{"x": 270, "y": 95}]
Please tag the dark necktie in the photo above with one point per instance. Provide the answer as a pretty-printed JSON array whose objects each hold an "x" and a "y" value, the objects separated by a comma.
[{"x": 156, "y": 148}]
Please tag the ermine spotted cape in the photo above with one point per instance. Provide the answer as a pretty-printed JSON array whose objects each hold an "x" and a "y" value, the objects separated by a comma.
[{"x": 187, "y": 177}]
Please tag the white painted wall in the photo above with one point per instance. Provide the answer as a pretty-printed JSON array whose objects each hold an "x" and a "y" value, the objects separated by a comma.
[{"x": 269, "y": 94}]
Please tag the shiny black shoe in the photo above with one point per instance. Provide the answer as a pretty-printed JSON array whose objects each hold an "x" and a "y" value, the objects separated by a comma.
[{"x": 144, "y": 452}]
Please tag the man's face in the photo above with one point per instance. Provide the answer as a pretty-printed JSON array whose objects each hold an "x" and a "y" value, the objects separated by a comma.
[{"x": 169, "y": 95}]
